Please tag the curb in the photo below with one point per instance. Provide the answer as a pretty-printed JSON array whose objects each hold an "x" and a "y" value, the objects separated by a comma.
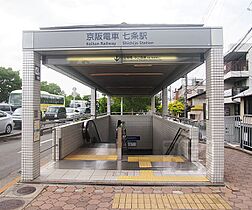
[
  {"x": 230, "y": 146},
  {"x": 2, "y": 137}
]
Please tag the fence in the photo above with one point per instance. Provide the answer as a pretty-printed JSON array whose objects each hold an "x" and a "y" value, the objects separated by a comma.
[
  {"x": 246, "y": 132},
  {"x": 239, "y": 131},
  {"x": 232, "y": 129}
]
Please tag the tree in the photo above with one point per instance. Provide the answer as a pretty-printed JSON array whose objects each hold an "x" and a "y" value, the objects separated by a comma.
[
  {"x": 115, "y": 104},
  {"x": 176, "y": 107},
  {"x": 69, "y": 98},
  {"x": 102, "y": 105},
  {"x": 133, "y": 104},
  {"x": 136, "y": 104},
  {"x": 51, "y": 88},
  {"x": 9, "y": 81}
]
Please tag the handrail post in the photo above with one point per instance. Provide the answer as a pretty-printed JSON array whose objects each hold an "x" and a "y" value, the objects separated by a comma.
[
  {"x": 119, "y": 143},
  {"x": 54, "y": 144}
]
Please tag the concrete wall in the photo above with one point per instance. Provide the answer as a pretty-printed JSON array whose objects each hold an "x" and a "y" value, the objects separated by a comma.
[
  {"x": 102, "y": 125},
  {"x": 137, "y": 125},
  {"x": 164, "y": 131},
  {"x": 69, "y": 138}
]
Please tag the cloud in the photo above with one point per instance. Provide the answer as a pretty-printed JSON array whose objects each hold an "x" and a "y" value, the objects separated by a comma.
[{"x": 16, "y": 16}]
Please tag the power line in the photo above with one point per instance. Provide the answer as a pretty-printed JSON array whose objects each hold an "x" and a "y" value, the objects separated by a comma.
[
  {"x": 241, "y": 40},
  {"x": 249, "y": 9},
  {"x": 210, "y": 10}
]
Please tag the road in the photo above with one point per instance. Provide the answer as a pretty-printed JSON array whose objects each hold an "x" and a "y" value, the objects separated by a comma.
[{"x": 10, "y": 156}]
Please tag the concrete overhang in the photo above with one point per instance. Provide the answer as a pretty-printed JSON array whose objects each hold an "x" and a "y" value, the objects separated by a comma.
[
  {"x": 235, "y": 76},
  {"x": 124, "y": 59}
]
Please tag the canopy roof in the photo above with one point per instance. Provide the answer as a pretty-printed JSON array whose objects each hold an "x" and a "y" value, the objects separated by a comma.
[{"x": 124, "y": 59}]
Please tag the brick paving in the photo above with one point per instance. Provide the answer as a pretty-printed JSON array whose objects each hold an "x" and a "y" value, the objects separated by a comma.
[{"x": 237, "y": 192}]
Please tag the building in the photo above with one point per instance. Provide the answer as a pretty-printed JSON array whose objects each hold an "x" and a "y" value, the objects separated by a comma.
[
  {"x": 237, "y": 79},
  {"x": 125, "y": 60},
  {"x": 197, "y": 104},
  {"x": 194, "y": 86}
]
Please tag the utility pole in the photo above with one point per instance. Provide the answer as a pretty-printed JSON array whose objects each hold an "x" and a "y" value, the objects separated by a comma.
[{"x": 185, "y": 97}]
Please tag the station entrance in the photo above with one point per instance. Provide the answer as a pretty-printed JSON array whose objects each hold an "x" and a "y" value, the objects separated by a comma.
[
  {"x": 125, "y": 60},
  {"x": 126, "y": 148}
]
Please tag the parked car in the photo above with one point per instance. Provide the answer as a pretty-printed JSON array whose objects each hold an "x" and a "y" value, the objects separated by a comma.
[
  {"x": 6, "y": 123},
  {"x": 55, "y": 112},
  {"x": 7, "y": 108},
  {"x": 72, "y": 113},
  {"x": 17, "y": 117}
]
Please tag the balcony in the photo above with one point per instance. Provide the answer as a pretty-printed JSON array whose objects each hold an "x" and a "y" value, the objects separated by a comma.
[
  {"x": 234, "y": 91},
  {"x": 236, "y": 70}
]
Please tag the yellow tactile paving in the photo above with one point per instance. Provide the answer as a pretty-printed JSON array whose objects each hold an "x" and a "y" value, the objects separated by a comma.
[
  {"x": 169, "y": 201},
  {"x": 92, "y": 157},
  {"x": 144, "y": 164},
  {"x": 147, "y": 175},
  {"x": 156, "y": 158}
]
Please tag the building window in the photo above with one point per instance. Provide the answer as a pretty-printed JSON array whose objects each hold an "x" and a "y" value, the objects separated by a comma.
[
  {"x": 200, "y": 91},
  {"x": 248, "y": 105},
  {"x": 192, "y": 116}
]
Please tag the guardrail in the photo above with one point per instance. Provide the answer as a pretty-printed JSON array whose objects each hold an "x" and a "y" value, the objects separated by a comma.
[{"x": 129, "y": 113}]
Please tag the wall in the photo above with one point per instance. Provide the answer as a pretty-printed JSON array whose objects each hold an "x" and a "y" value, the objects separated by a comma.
[
  {"x": 102, "y": 125},
  {"x": 136, "y": 125},
  {"x": 69, "y": 138},
  {"x": 164, "y": 131}
]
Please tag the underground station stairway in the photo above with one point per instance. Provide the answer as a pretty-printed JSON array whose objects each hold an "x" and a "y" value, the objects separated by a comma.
[{"x": 102, "y": 157}]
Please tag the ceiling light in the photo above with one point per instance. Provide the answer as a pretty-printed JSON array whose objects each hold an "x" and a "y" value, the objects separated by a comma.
[{"x": 127, "y": 74}]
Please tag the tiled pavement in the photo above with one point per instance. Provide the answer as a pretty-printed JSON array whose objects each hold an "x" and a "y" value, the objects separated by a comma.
[{"x": 238, "y": 192}]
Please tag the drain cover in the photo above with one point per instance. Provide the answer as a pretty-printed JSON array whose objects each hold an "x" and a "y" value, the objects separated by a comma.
[
  {"x": 11, "y": 204},
  {"x": 26, "y": 190}
]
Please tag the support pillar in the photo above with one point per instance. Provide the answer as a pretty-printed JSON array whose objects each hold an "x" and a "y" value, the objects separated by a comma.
[
  {"x": 108, "y": 105},
  {"x": 93, "y": 103},
  {"x": 164, "y": 102},
  {"x": 215, "y": 115},
  {"x": 153, "y": 105},
  {"x": 121, "y": 105},
  {"x": 30, "y": 161}
]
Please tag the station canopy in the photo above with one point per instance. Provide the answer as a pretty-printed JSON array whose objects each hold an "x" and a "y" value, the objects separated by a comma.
[{"x": 124, "y": 59}]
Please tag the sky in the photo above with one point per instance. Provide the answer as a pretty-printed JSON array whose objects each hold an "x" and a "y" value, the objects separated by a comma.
[{"x": 16, "y": 16}]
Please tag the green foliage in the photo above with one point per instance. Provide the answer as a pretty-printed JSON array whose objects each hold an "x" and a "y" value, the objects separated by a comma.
[
  {"x": 133, "y": 104},
  {"x": 86, "y": 97},
  {"x": 69, "y": 98},
  {"x": 9, "y": 81},
  {"x": 102, "y": 105},
  {"x": 115, "y": 104},
  {"x": 51, "y": 88},
  {"x": 136, "y": 104},
  {"x": 176, "y": 107}
]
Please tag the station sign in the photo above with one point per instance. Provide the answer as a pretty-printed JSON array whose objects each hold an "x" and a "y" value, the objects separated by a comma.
[
  {"x": 37, "y": 73},
  {"x": 118, "y": 38}
]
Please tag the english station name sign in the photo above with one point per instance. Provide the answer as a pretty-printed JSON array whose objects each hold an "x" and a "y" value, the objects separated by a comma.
[{"x": 118, "y": 38}]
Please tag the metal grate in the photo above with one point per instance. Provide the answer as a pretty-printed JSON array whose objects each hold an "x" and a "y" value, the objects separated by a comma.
[
  {"x": 11, "y": 204},
  {"x": 26, "y": 190}
]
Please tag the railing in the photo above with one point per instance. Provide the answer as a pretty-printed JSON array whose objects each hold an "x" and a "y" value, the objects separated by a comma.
[
  {"x": 130, "y": 113},
  {"x": 239, "y": 131},
  {"x": 246, "y": 132},
  {"x": 232, "y": 129},
  {"x": 174, "y": 141},
  {"x": 241, "y": 65},
  {"x": 199, "y": 124}
]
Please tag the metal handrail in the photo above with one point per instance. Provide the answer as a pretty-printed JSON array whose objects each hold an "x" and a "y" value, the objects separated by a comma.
[
  {"x": 86, "y": 127},
  {"x": 174, "y": 141}
]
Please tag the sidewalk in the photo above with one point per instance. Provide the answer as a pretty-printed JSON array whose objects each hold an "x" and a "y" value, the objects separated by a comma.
[{"x": 236, "y": 195}]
